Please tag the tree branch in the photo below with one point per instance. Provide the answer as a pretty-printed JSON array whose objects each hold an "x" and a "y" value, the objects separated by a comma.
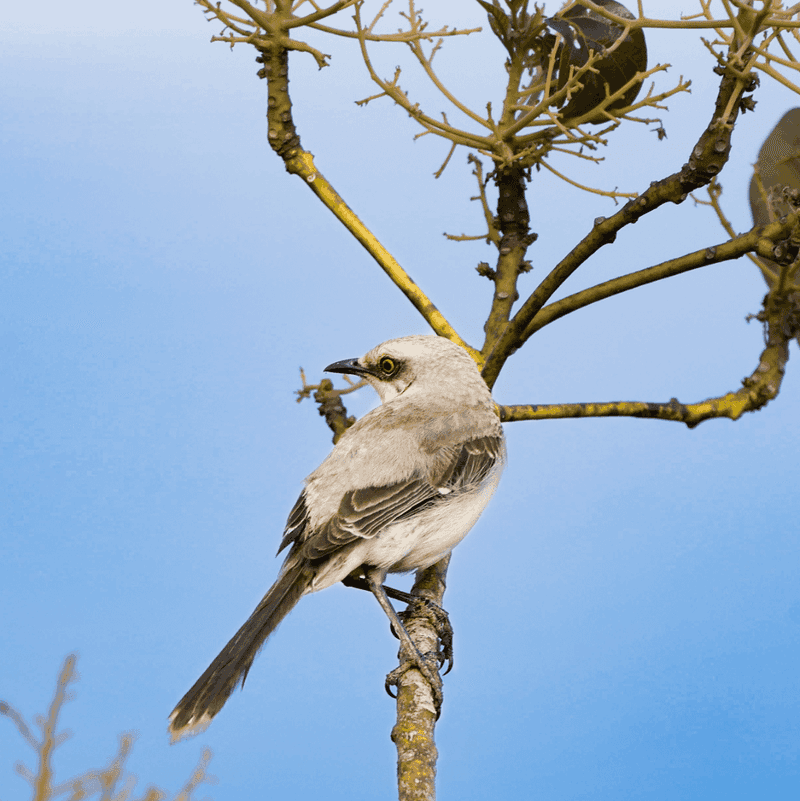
[
  {"x": 285, "y": 141},
  {"x": 393, "y": 91},
  {"x": 708, "y": 157},
  {"x": 760, "y": 238},
  {"x": 413, "y": 734},
  {"x": 513, "y": 219},
  {"x": 781, "y": 318}
]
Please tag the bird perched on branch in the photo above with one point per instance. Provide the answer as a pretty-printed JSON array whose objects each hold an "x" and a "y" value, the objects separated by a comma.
[{"x": 399, "y": 491}]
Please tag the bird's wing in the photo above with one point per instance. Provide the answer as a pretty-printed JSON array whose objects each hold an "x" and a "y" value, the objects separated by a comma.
[
  {"x": 363, "y": 513},
  {"x": 296, "y": 524}
]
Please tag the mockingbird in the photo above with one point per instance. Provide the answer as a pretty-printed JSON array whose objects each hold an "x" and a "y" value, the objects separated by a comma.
[{"x": 399, "y": 491}]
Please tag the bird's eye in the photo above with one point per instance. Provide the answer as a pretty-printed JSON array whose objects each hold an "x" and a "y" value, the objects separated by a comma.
[{"x": 387, "y": 365}]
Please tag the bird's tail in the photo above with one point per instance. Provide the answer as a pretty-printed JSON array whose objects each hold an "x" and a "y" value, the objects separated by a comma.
[{"x": 209, "y": 693}]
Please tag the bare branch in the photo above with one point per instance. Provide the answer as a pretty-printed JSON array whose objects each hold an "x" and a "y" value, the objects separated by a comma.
[
  {"x": 413, "y": 734},
  {"x": 284, "y": 139},
  {"x": 759, "y": 239},
  {"x": 781, "y": 317},
  {"x": 393, "y": 90},
  {"x": 22, "y": 727},
  {"x": 707, "y": 159},
  {"x": 612, "y": 193},
  {"x": 714, "y": 190}
]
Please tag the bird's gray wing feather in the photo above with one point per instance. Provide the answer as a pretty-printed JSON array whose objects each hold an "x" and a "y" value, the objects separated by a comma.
[
  {"x": 363, "y": 513},
  {"x": 296, "y": 524}
]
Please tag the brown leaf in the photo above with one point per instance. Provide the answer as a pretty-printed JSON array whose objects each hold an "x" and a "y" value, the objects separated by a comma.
[
  {"x": 778, "y": 166},
  {"x": 584, "y": 30}
]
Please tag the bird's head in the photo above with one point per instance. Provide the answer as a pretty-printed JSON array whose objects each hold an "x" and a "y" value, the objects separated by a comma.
[{"x": 429, "y": 364}]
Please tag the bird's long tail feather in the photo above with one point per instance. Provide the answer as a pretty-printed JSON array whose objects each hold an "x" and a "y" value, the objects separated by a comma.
[{"x": 209, "y": 693}]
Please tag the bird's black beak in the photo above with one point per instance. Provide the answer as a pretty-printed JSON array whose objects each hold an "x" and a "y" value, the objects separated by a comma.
[{"x": 349, "y": 366}]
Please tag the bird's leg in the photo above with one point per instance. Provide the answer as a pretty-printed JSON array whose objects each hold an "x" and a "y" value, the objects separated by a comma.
[
  {"x": 439, "y": 617},
  {"x": 360, "y": 583},
  {"x": 411, "y": 651}
]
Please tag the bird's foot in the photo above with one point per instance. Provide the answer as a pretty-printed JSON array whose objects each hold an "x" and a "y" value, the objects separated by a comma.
[
  {"x": 440, "y": 620},
  {"x": 427, "y": 664}
]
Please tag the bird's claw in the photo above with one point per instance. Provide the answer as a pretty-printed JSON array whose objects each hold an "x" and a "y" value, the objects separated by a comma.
[
  {"x": 427, "y": 665},
  {"x": 440, "y": 620}
]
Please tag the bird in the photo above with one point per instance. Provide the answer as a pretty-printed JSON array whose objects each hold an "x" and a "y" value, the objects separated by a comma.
[{"x": 400, "y": 489}]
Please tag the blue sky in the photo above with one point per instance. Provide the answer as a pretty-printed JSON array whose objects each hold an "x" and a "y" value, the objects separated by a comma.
[{"x": 627, "y": 611}]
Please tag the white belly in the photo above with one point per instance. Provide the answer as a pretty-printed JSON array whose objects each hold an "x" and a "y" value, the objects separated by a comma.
[{"x": 415, "y": 543}]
